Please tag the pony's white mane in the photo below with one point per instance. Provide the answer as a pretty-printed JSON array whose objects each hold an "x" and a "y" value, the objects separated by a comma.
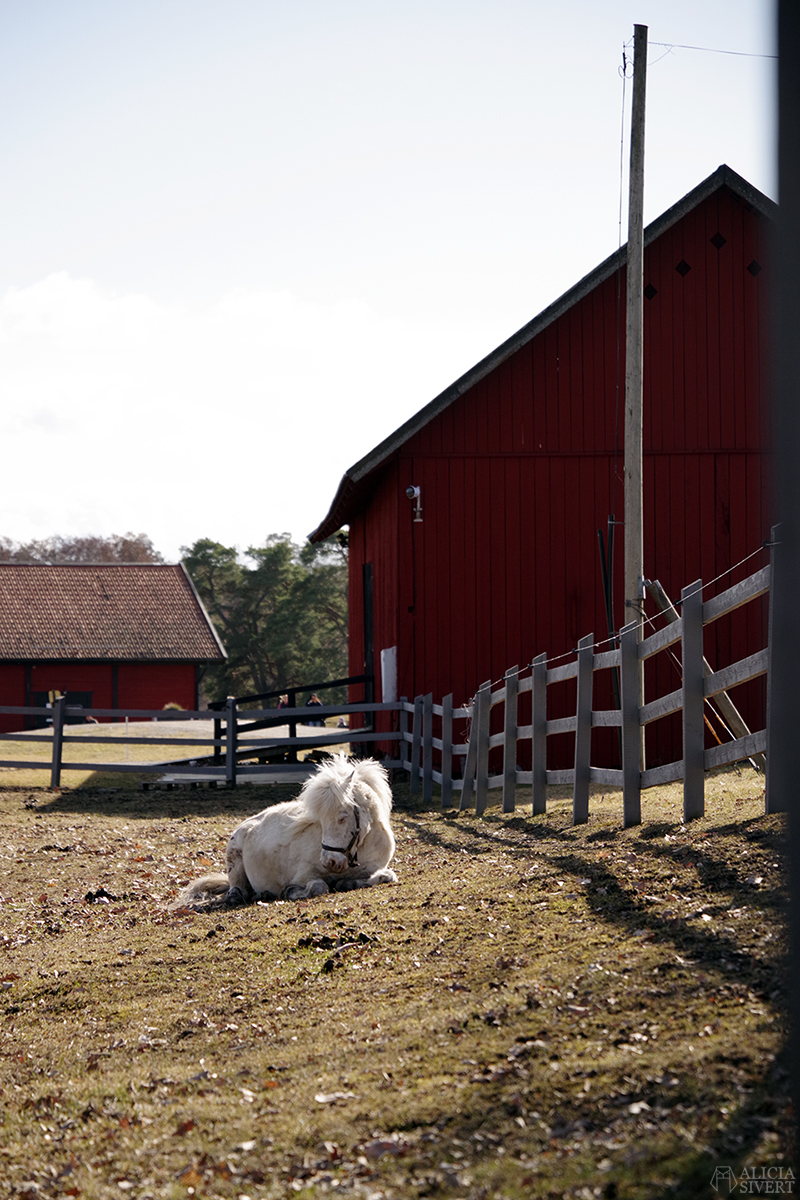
[{"x": 341, "y": 781}]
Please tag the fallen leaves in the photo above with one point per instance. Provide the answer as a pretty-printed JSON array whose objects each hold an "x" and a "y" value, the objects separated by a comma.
[
  {"x": 550, "y": 1038},
  {"x": 334, "y": 1097},
  {"x": 382, "y": 1145},
  {"x": 189, "y": 1176}
]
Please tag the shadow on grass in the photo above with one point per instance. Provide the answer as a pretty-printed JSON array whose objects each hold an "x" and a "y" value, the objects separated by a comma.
[
  {"x": 666, "y": 1164},
  {"x": 176, "y": 804},
  {"x": 519, "y": 837},
  {"x": 610, "y": 902},
  {"x": 737, "y": 1143},
  {"x": 574, "y": 1135}
]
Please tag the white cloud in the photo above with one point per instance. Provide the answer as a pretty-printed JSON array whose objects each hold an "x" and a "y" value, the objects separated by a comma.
[{"x": 231, "y": 421}]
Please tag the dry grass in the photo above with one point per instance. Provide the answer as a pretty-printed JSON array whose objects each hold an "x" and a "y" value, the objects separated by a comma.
[{"x": 533, "y": 1011}]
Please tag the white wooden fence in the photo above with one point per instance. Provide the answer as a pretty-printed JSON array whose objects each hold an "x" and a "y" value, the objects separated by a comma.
[{"x": 474, "y": 780}]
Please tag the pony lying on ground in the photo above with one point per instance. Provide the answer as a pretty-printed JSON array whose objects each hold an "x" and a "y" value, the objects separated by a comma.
[{"x": 334, "y": 837}]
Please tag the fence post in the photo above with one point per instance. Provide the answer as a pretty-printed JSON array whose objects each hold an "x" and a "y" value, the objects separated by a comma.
[
  {"x": 772, "y": 801},
  {"x": 292, "y": 752},
  {"x": 58, "y": 740},
  {"x": 416, "y": 738},
  {"x": 510, "y": 740},
  {"x": 583, "y": 730},
  {"x": 427, "y": 748},
  {"x": 539, "y": 734},
  {"x": 471, "y": 757},
  {"x": 230, "y": 741},
  {"x": 217, "y": 737},
  {"x": 629, "y": 733},
  {"x": 447, "y": 751},
  {"x": 402, "y": 726},
  {"x": 693, "y": 725},
  {"x": 482, "y": 764}
]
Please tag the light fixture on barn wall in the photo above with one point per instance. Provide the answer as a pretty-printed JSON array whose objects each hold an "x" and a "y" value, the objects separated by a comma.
[{"x": 415, "y": 494}]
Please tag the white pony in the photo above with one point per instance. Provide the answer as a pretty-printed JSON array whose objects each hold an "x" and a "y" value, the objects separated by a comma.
[{"x": 334, "y": 837}]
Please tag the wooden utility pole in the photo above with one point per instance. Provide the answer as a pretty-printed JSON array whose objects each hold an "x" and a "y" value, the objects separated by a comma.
[{"x": 634, "y": 536}]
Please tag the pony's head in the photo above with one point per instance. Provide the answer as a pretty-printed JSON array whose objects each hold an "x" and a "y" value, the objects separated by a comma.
[{"x": 329, "y": 799}]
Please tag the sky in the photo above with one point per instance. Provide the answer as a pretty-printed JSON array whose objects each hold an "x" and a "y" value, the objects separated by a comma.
[{"x": 241, "y": 242}]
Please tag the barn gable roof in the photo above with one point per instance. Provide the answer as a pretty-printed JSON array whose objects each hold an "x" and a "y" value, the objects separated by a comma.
[
  {"x": 131, "y": 612},
  {"x": 357, "y": 479}
]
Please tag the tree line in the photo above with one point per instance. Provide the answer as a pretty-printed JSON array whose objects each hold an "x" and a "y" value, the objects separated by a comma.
[
  {"x": 279, "y": 608},
  {"x": 118, "y": 548}
]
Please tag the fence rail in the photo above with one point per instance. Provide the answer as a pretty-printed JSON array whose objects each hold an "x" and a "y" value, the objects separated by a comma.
[
  {"x": 699, "y": 684},
  {"x": 230, "y": 744}
]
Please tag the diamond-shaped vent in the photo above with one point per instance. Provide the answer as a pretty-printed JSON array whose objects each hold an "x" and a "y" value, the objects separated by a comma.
[
  {"x": 650, "y": 291},
  {"x": 718, "y": 240},
  {"x": 754, "y": 268},
  {"x": 683, "y": 267}
]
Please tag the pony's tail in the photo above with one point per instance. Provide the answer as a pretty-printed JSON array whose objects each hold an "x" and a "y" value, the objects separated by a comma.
[{"x": 203, "y": 894}]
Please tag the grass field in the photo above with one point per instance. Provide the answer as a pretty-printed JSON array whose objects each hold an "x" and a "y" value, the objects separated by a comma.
[{"x": 534, "y": 1010}]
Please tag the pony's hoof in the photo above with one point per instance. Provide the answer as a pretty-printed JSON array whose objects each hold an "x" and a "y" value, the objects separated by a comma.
[
  {"x": 293, "y": 891},
  {"x": 266, "y": 897},
  {"x": 234, "y": 897}
]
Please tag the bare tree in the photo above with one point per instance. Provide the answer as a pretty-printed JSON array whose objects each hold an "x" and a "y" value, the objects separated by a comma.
[{"x": 118, "y": 548}]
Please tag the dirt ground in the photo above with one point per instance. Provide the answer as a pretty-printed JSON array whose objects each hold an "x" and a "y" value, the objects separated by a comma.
[{"x": 534, "y": 1010}]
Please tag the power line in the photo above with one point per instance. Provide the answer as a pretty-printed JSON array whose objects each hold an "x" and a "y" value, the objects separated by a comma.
[{"x": 713, "y": 50}]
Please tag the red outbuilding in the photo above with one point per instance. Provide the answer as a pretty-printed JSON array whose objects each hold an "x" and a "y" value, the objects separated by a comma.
[
  {"x": 519, "y": 464},
  {"x": 121, "y": 636}
]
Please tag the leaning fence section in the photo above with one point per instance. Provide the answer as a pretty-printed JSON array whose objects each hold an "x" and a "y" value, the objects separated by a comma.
[{"x": 699, "y": 684}]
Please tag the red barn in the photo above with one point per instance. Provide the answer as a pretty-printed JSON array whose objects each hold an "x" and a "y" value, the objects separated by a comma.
[
  {"x": 108, "y": 636},
  {"x": 519, "y": 464}
]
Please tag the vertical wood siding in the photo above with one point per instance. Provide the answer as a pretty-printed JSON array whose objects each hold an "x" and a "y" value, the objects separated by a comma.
[
  {"x": 140, "y": 685},
  {"x": 152, "y": 685},
  {"x": 12, "y": 691},
  {"x": 74, "y": 677},
  {"x": 519, "y": 474}
]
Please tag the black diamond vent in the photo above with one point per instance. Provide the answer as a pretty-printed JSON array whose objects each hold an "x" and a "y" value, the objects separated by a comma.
[
  {"x": 683, "y": 267},
  {"x": 718, "y": 240},
  {"x": 650, "y": 291},
  {"x": 754, "y": 268}
]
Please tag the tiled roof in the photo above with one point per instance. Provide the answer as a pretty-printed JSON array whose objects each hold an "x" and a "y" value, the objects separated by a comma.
[{"x": 126, "y": 612}]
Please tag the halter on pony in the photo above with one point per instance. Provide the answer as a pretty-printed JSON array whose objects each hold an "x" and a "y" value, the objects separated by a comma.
[{"x": 352, "y": 858}]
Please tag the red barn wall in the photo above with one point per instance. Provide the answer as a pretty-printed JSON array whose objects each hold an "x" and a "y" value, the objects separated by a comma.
[
  {"x": 75, "y": 677},
  {"x": 152, "y": 685},
  {"x": 519, "y": 474},
  {"x": 139, "y": 685},
  {"x": 12, "y": 691}
]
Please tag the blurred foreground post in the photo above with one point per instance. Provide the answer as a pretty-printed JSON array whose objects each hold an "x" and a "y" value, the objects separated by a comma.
[{"x": 783, "y": 765}]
